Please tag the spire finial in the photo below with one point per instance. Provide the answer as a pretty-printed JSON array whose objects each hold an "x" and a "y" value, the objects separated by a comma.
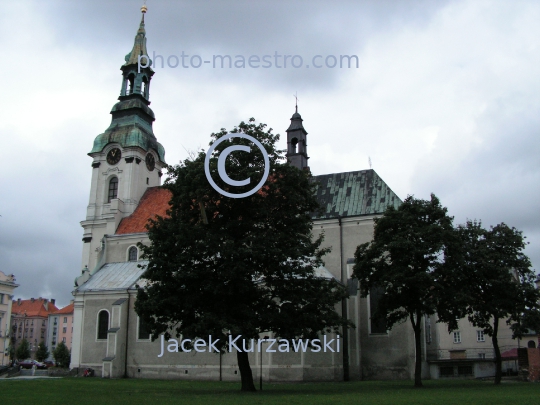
[
  {"x": 295, "y": 96},
  {"x": 144, "y": 9}
]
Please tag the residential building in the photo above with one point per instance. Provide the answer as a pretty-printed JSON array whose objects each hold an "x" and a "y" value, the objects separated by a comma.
[
  {"x": 30, "y": 319},
  {"x": 60, "y": 328},
  {"x": 7, "y": 285}
]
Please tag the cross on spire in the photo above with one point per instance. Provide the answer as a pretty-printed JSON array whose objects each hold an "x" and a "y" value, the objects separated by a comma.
[{"x": 295, "y": 96}]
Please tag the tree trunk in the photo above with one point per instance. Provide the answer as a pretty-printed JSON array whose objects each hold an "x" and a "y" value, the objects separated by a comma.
[
  {"x": 498, "y": 359},
  {"x": 245, "y": 371},
  {"x": 418, "y": 349}
]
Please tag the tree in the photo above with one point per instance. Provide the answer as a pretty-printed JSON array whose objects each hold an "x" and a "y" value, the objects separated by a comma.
[
  {"x": 405, "y": 263},
  {"x": 225, "y": 267},
  {"x": 61, "y": 355},
  {"x": 23, "y": 350},
  {"x": 42, "y": 353},
  {"x": 498, "y": 282}
]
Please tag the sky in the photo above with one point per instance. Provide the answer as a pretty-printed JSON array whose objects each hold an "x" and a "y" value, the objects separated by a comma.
[{"x": 445, "y": 99}]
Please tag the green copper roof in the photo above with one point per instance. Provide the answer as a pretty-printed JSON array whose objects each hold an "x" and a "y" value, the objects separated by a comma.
[
  {"x": 353, "y": 193},
  {"x": 131, "y": 126}
]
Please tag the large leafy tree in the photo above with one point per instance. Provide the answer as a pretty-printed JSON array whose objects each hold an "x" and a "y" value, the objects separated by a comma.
[
  {"x": 405, "y": 263},
  {"x": 225, "y": 266},
  {"x": 42, "y": 353},
  {"x": 23, "y": 350},
  {"x": 498, "y": 282}
]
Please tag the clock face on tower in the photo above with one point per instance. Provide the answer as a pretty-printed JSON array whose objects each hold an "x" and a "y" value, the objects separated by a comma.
[
  {"x": 114, "y": 156},
  {"x": 150, "y": 162}
]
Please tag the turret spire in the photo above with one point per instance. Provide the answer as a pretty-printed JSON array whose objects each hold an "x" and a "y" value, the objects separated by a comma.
[{"x": 297, "y": 141}]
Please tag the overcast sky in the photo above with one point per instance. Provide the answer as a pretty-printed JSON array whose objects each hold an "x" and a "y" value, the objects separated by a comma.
[{"x": 445, "y": 99}]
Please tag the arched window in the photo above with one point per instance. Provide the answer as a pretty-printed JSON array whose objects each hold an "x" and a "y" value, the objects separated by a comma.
[
  {"x": 113, "y": 189},
  {"x": 103, "y": 324},
  {"x": 531, "y": 344},
  {"x": 294, "y": 142},
  {"x": 130, "y": 85},
  {"x": 144, "y": 90},
  {"x": 132, "y": 254}
]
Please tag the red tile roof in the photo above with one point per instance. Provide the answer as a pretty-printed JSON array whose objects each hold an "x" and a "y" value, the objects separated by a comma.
[
  {"x": 34, "y": 307},
  {"x": 155, "y": 201},
  {"x": 68, "y": 309},
  {"x": 510, "y": 354}
]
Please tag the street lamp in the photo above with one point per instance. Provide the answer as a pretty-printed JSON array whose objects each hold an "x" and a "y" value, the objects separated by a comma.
[{"x": 260, "y": 374}]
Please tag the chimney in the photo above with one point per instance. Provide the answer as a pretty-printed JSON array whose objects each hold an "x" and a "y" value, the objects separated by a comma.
[
  {"x": 32, "y": 299},
  {"x": 53, "y": 301},
  {"x": 18, "y": 301}
]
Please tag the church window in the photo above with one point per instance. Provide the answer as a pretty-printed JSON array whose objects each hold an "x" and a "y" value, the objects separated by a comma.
[
  {"x": 378, "y": 326},
  {"x": 129, "y": 84},
  {"x": 144, "y": 91},
  {"x": 143, "y": 333},
  {"x": 103, "y": 324},
  {"x": 480, "y": 336},
  {"x": 113, "y": 189},
  {"x": 132, "y": 254},
  {"x": 294, "y": 142}
]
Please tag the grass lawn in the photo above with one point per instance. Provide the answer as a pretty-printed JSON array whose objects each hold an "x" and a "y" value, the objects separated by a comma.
[{"x": 97, "y": 391}]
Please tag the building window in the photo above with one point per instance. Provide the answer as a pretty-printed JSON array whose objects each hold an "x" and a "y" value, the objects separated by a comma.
[
  {"x": 65, "y": 319},
  {"x": 143, "y": 334},
  {"x": 480, "y": 336},
  {"x": 103, "y": 325},
  {"x": 43, "y": 323},
  {"x": 457, "y": 337},
  {"x": 1, "y": 298},
  {"x": 446, "y": 371},
  {"x": 428, "y": 330},
  {"x": 64, "y": 339},
  {"x": 113, "y": 189},
  {"x": 481, "y": 355},
  {"x": 132, "y": 254},
  {"x": 64, "y": 330},
  {"x": 377, "y": 325}
]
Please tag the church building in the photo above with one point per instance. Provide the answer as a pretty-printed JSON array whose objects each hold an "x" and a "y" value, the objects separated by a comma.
[{"x": 125, "y": 192}]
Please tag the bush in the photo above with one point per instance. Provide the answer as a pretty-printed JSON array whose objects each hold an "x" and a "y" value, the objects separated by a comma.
[
  {"x": 42, "y": 352},
  {"x": 61, "y": 355},
  {"x": 23, "y": 350}
]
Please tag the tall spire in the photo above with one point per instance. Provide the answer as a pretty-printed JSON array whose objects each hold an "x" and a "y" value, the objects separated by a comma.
[
  {"x": 132, "y": 117},
  {"x": 139, "y": 46}
]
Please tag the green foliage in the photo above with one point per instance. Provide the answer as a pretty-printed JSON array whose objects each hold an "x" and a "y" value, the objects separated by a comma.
[
  {"x": 222, "y": 265},
  {"x": 23, "y": 350},
  {"x": 42, "y": 353},
  {"x": 406, "y": 260},
  {"x": 61, "y": 355},
  {"x": 140, "y": 391},
  {"x": 498, "y": 282}
]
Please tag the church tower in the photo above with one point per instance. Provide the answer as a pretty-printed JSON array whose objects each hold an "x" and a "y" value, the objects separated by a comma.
[
  {"x": 297, "y": 142},
  {"x": 127, "y": 158}
]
